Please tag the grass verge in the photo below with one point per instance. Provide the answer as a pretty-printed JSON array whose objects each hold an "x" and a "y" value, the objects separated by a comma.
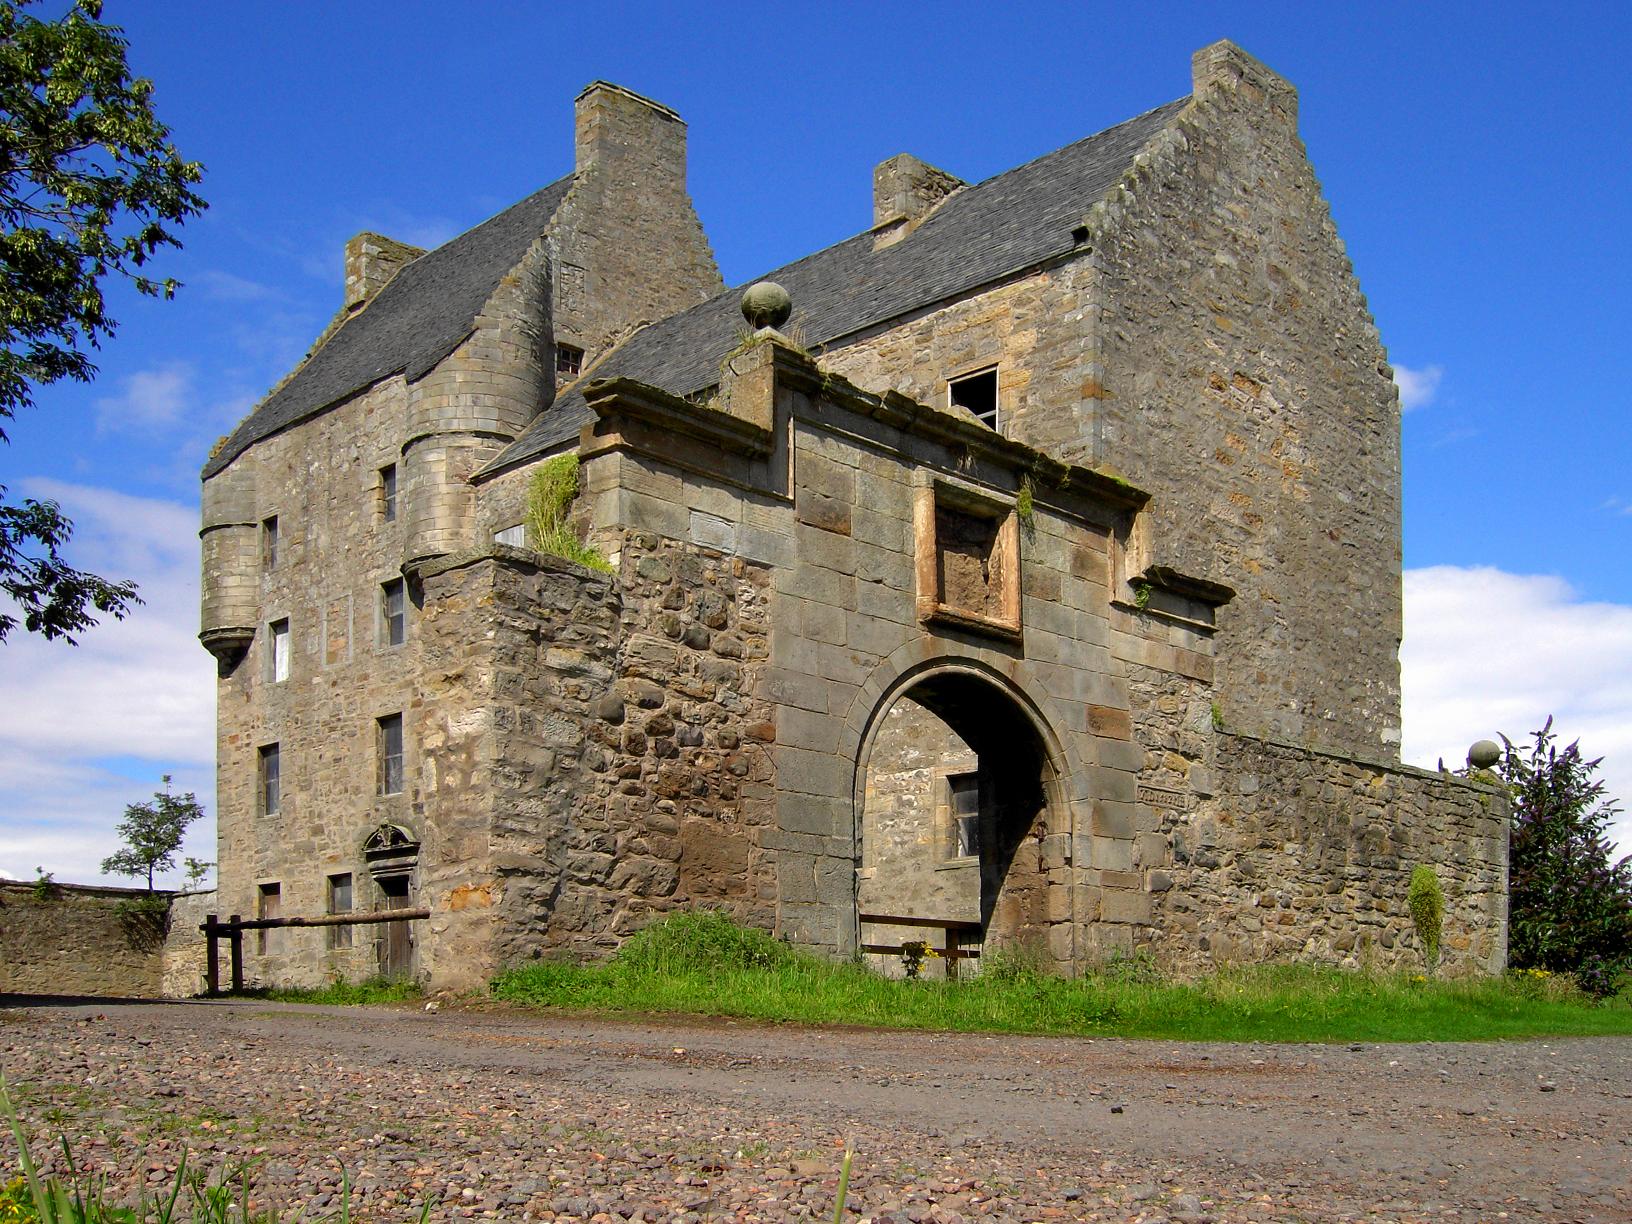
[
  {"x": 703, "y": 963},
  {"x": 347, "y": 994}
]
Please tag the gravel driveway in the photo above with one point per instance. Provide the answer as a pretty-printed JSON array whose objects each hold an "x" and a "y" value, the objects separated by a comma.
[{"x": 501, "y": 1114}]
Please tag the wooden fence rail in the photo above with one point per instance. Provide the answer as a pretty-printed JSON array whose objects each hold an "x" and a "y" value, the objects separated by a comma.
[{"x": 232, "y": 930}]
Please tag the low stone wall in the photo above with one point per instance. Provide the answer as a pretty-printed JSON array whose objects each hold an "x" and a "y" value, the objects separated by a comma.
[
  {"x": 77, "y": 939},
  {"x": 1307, "y": 856}
]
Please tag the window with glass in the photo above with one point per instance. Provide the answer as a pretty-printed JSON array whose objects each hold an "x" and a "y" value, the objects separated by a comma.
[
  {"x": 340, "y": 903},
  {"x": 963, "y": 806},
  {"x": 268, "y": 780},
  {"x": 390, "y": 753},
  {"x": 393, "y": 612},
  {"x": 279, "y": 641},
  {"x": 388, "y": 492},
  {"x": 269, "y": 542}
]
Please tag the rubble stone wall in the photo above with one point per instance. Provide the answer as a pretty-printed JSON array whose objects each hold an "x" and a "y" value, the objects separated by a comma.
[{"x": 77, "y": 939}]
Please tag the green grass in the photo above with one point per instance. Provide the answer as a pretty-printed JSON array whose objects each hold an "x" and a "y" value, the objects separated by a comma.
[
  {"x": 702, "y": 963},
  {"x": 346, "y": 994}
]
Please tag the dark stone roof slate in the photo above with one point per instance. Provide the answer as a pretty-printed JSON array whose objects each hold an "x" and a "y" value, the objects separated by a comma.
[
  {"x": 1012, "y": 221},
  {"x": 420, "y": 317}
]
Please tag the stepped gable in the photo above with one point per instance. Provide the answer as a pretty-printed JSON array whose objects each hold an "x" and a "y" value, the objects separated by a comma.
[
  {"x": 421, "y": 316},
  {"x": 982, "y": 233}
]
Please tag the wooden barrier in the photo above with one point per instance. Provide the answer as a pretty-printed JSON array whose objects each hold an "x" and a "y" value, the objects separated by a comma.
[
  {"x": 232, "y": 930},
  {"x": 952, "y": 930}
]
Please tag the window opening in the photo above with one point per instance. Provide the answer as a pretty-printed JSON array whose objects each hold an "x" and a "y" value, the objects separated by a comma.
[
  {"x": 270, "y": 786},
  {"x": 388, "y": 492},
  {"x": 569, "y": 361},
  {"x": 340, "y": 903},
  {"x": 268, "y": 904},
  {"x": 978, "y": 393},
  {"x": 390, "y": 736},
  {"x": 963, "y": 800},
  {"x": 515, "y": 536},
  {"x": 394, "y": 612},
  {"x": 269, "y": 542},
  {"x": 280, "y": 651}
]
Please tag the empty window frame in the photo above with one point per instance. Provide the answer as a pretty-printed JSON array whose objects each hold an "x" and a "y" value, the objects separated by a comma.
[
  {"x": 390, "y": 754},
  {"x": 269, "y": 542},
  {"x": 977, "y": 392},
  {"x": 278, "y": 651},
  {"x": 268, "y": 782},
  {"x": 268, "y": 904},
  {"x": 515, "y": 536},
  {"x": 963, "y": 812},
  {"x": 393, "y": 612},
  {"x": 340, "y": 903},
  {"x": 569, "y": 361},
  {"x": 388, "y": 493}
]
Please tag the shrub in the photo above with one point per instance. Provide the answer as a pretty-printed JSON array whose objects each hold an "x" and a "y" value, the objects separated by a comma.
[
  {"x": 1569, "y": 903},
  {"x": 1427, "y": 901},
  {"x": 549, "y": 498},
  {"x": 703, "y": 942}
]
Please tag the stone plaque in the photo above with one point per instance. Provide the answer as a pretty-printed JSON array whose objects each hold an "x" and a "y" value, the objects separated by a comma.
[{"x": 1167, "y": 800}]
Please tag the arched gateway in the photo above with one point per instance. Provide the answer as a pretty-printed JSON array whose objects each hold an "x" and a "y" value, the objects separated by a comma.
[{"x": 962, "y": 820}]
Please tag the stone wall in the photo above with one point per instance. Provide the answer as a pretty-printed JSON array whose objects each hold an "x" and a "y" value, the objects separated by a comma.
[
  {"x": 184, "y": 953},
  {"x": 1307, "y": 856},
  {"x": 78, "y": 939},
  {"x": 597, "y": 752}
]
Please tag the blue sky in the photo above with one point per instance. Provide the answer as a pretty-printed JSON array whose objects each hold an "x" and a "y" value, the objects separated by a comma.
[{"x": 1473, "y": 157}]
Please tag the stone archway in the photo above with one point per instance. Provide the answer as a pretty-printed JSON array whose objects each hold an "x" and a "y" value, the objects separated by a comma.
[{"x": 960, "y": 813}]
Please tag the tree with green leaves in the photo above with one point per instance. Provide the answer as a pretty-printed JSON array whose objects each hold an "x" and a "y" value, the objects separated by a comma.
[
  {"x": 152, "y": 834},
  {"x": 1569, "y": 901},
  {"x": 90, "y": 187}
]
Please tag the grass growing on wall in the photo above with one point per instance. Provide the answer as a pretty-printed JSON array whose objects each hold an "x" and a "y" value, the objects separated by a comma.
[
  {"x": 549, "y": 498},
  {"x": 703, "y": 963}
]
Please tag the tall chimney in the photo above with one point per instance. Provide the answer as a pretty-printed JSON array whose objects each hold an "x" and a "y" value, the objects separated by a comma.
[
  {"x": 617, "y": 124},
  {"x": 371, "y": 261},
  {"x": 905, "y": 192}
]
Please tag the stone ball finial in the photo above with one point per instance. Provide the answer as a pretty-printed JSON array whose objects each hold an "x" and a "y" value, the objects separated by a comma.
[
  {"x": 1484, "y": 754},
  {"x": 766, "y": 304}
]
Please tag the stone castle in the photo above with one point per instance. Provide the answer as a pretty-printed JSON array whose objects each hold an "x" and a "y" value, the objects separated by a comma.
[{"x": 1023, "y": 570}]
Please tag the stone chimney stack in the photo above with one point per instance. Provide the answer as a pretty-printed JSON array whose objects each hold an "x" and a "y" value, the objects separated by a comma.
[
  {"x": 614, "y": 124},
  {"x": 371, "y": 261},
  {"x": 1222, "y": 67},
  {"x": 905, "y": 191}
]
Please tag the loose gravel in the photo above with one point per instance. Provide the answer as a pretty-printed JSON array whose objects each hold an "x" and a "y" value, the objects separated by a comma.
[{"x": 497, "y": 1114}]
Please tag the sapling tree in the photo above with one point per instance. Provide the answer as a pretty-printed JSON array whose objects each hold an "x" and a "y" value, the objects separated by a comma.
[
  {"x": 152, "y": 834},
  {"x": 1569, "y": 900}
]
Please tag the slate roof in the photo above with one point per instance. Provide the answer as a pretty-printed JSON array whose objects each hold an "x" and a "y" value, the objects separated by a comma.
[
  {"x": 1012, "y": 221},
  {"x": 421, "y": 316}
]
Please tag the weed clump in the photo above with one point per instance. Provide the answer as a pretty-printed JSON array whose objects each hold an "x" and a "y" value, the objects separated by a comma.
[{"x": 549, "y": 497}]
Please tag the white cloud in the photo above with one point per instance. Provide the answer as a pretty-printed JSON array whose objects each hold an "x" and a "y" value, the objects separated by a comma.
[
  {"x": 1487, "y": 651},
  {"x": 225, "y": 287},
  {"x": 149, "y": 399},
  {"x": 1417, "y": 387},
  {"x": 86, "y": 730}
]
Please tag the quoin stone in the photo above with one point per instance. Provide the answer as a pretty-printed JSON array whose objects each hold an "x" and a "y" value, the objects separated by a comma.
[{"x": 1055, "y": 604}]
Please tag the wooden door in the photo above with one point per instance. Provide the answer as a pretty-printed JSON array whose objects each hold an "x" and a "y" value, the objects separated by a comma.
[{"x": 395, "y": 943}]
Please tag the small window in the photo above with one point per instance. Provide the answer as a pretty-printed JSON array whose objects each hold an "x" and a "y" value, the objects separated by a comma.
[
  {"x": 388, "y": 493},
  {"x": 279, "y": 662},
  {"x": 268, "y": 782},
  {"x": 978, "y": 393},
  {"x": 515, "y": 536},
  {"x": 393, "y": 613},
  {"x": 269, "y": 543},
  {"x": 963, "y": 805},
  {"x": 340, "y": 903},
  {"x": 568, "y": 360},
  {"x": 390, "y": 751},
  {"x": 268, "y": 904}
]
